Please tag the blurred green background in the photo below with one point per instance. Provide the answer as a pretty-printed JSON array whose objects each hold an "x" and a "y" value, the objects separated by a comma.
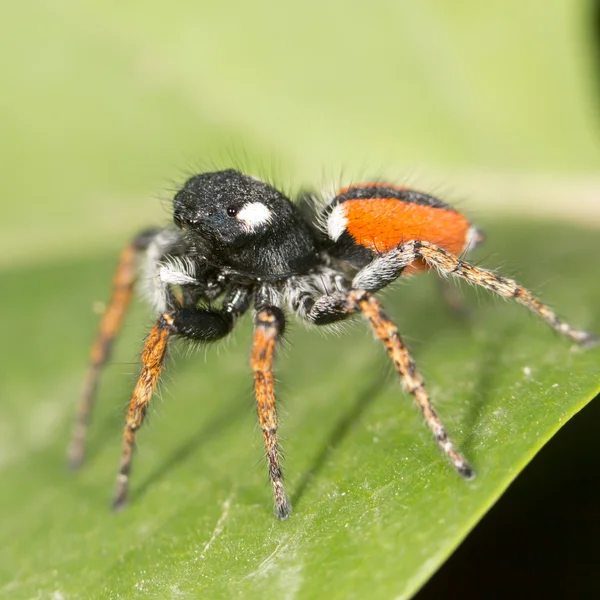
[{"x": 105, "y": 107}]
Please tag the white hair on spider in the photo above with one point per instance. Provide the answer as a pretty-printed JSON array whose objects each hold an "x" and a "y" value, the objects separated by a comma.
[
  {"x": 337, "y": 222},
  {"x": 253, "y": 215}
]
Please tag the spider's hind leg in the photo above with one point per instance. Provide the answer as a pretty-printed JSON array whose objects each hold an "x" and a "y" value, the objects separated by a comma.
[
  {"x": 448, "y": 264},
  {"x": 123, "y": 286},
  {"x": 338, "y": 306},
  {"x": 389, "y": 266},
  {"x": 388, "y": 333}
]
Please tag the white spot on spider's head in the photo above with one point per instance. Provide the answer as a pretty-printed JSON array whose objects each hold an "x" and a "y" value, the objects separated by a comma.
[
  {"x": 336, "y": 222},
  {"x": 253, "y": 215}
]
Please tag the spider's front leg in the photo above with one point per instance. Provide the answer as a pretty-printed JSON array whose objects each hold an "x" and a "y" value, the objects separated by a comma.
[
  {"x": 269, "y": 324},
  {"x": 195, "y": 324}
]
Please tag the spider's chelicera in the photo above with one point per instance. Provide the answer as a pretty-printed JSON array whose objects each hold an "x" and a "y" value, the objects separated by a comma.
[{"x": 239, "y": 243}]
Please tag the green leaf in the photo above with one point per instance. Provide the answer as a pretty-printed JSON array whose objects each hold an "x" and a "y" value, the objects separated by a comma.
[
  {"x": 377, "y": 509},
  {"x": 105, "y": 104}
]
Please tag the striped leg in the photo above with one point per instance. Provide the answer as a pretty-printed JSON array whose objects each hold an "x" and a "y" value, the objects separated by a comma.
[
  {"x": 196, "y": 324},
  {"x": 387, "y": 332},
  {"x": 110, "y": 325},
  {"x": 269, "y": 323},
  {"x": 448, "y": 264},
  {"x": 153, "y": 357}
]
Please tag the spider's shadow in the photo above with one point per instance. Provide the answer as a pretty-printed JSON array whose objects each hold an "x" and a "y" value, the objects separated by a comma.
[
  {"x": 338, "y": 433},
  {"x": 487, "y": 372},
  {"x": 212, "y": 429}
]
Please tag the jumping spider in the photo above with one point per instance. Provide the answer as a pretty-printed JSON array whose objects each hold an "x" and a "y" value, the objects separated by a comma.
[{"x": 242, "y": 241}]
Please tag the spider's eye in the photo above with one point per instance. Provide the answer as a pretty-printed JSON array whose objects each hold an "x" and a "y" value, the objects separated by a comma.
[{"x": 232, "y": 211}]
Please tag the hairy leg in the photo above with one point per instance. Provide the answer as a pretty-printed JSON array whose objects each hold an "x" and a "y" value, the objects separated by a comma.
[
  {"x": 448, "y": 264},
  {"x": 388, "y": 333},
  {"x": 195, "y": 324},
  {"x": 339, "y": 306},
  {"x": 385, "y": 269},
  {"x": 268, "y": 326},
  {"x": 153, "y": 357},
  {"x": 112, "y": 320}
]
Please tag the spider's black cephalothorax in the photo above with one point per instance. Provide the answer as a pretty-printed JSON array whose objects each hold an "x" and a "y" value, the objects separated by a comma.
[
  {"x": 244, "y": 226},
  {"x": 239, "y": 243}
]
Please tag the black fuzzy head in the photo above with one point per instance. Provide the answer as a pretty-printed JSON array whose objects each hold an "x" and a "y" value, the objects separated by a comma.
[{"x": 240, "y": 222}]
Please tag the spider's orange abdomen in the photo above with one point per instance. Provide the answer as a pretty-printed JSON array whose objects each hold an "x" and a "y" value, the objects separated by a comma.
[
  {"x": 376, "y": 218},
  {"x": 382, "y": 224}
]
